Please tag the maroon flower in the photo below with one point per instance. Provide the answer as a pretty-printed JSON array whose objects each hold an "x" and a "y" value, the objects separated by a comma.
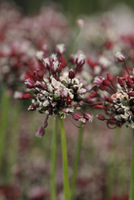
[
  {"x": 57, "y": 90},
  {"x": 117, "y": 100}
]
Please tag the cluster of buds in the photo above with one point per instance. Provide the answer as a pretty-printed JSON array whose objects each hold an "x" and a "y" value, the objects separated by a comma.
[
  {"x": 116, "y": 98},
  {"x": 56, "y": 90}
]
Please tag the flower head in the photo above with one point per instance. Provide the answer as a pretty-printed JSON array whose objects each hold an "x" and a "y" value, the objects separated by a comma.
[
  {"x": 117, "y": 100},
  {"x": 57, "y": 90}
]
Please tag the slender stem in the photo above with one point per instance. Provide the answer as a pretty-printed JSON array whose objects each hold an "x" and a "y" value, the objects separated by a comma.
[
  {"x": 112, "y": 164},
  {"x": 64, "y": 161},
  {"x": 13, "y": 138},
  {"x": 53, "y": 161},
  {"x": 131, "y": 194},
  {"x": 75, "y": 40},
  {"x": 76, "y": 162},
  {"x": 3, "y": 127}
]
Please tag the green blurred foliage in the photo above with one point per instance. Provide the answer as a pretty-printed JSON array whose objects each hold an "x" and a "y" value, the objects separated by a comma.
[{"x": 73, "y": 7}]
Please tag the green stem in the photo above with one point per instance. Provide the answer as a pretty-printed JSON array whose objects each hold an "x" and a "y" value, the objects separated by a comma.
[
  {"x": 131, "y": 194},
  {"x": 74, "y": 44},
  {"x": 13, "y": 137},
  {"x": 53, "y": 161},
  {"x": 64, "y": 161},
  {"x": 112, "y": 164},
  {"x": 76, "y": 161},
  {"x": 3, "y": 127}
]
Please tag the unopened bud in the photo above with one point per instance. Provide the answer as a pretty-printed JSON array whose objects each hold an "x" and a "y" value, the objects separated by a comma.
[
  {"x": 88, "y": 116},
  {"x": 109, "y": 77},
  {"x": 120, "y": 81},
  {"x": 71, "y": 74},
  {"x": 120, "y": 56},
  {"x": 77, "y": 116},
  {"x": 40, "y": 132},
  {"x": 26, "y": 96},
  {"x": 101, "y": 117}
]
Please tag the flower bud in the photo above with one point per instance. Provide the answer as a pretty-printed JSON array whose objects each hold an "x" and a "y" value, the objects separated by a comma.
[
  {"x": 88, "y": 116},
  {"x": 120, "y": 57},
  {"x": 129, "y": 82},
  {"x": 109, "y": 77},
  {"x": 80, "y": 60},
  {"x": 77, "y": 116},
  {"x": 71, "y": 74},
  {"x": 120, "y": 81},
  {"x": 26, "y": 96},
  {"x": 101, "y": 117},
  {"x": 29, "y": 83},
  {"x": 40, "y": 132}
]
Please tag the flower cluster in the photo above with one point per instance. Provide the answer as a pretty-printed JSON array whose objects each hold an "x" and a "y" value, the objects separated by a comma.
[
  {"x": 59, "y": 86},
  {"x": 116, "y": 98},
  {"x": 56, "y": 89}
]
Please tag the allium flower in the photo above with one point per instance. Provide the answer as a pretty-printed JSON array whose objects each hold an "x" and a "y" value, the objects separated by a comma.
[
  {"x": 116, "y": 98},
  {"x": 57, "y": 90}
]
